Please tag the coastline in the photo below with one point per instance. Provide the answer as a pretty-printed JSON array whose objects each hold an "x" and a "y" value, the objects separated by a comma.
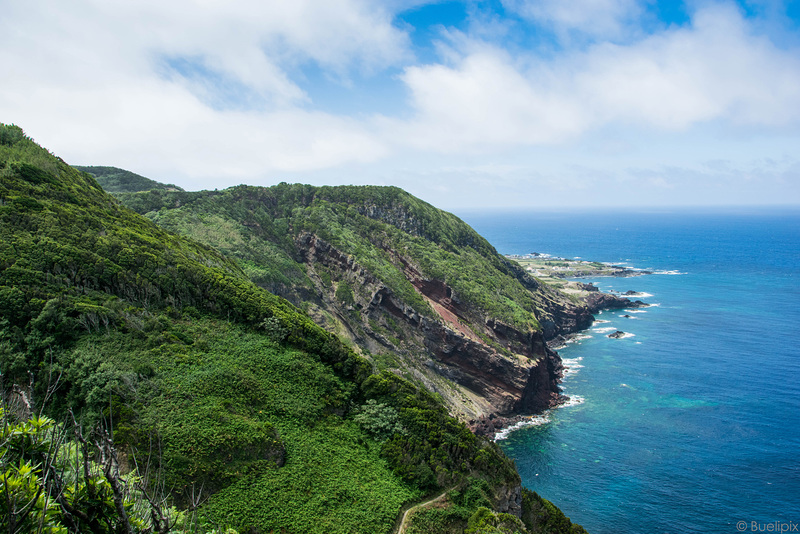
[{"x": 499, "y": 427}]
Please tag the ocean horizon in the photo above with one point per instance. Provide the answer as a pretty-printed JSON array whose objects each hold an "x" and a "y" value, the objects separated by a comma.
[{"x": 691, "y": 422}]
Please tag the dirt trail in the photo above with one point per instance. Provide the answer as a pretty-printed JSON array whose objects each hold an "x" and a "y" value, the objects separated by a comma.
[{"x": 402, "y": 528}]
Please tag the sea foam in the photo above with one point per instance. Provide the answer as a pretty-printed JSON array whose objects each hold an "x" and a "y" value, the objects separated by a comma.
[
  {"x": 574, "y": 400},
  {"x": 604, "y": 329},
  {"x": 571, "y": 365},
  {"x": 638, "y": 295},
  {"x": 626, "y": 335},
  {"x": 578, "y": 338},
  {"x": 534, "y": 420},
  {"x": 538, "y": 420}
]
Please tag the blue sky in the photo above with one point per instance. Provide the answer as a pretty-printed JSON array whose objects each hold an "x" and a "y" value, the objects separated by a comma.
[{"x": 499, "y": 103}]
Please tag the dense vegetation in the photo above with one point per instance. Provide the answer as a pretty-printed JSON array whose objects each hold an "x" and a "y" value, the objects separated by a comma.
[
  {"x": 383, "y": 234},
  {"x": 258, "y": 225},
  {"x": 115, "y": 180},
  {"x": 221, "y": 397}
]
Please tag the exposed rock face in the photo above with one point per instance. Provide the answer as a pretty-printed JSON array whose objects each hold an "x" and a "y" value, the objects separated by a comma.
[
  {"x": 597, "y": 301},
  {"x": 509, "y": 500},
  {"x": 481, "y": 366}
]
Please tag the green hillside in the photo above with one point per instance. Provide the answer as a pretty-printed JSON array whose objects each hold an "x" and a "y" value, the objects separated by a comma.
[
  {"x": 370, "y": 263},
  {"x": 115, "y": 180},
  {"x": 259, "y": 225},
  {"x": 244, "y": 412}
]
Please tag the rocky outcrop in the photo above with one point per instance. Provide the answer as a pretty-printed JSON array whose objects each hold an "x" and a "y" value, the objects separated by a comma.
[
  {"x": 509, "y": 500},
  {"x": 597, "y": 301},
  {"x": 482, "y": 367}
]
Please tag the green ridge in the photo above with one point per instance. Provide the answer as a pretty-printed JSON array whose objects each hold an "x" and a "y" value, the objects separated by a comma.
[
  {"x": 246, "y": 400},
  {"x": 258, "y": 225},
  {"x": 115, "y": 180}
]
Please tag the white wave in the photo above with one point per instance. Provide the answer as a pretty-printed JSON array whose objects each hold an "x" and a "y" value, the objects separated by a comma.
[
  {"x": 538, "y": 420},
  {"x": 579, "y": 337},
  {"x": 668, "y": 272},
  {"x": 574, "y": 400},
  {"x": 625, "y": 335},
  {"x": 637, "y": 295},
  {"x": 601, "y": 321},
  {"x": 534, "y": 420},
  {"x": 571, "y": 365},
  {"x": 635, "y": 311},
  {"x": 604, "y": 329}
]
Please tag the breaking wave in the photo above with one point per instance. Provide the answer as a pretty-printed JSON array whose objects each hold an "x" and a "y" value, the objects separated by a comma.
[
  {"x": 605, "y": 329},
  {"x": 571, "y": 365},
  {"x": 533, "y": 420}
]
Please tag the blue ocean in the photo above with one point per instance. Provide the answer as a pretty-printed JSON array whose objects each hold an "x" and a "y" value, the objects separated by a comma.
[{"x": 692, "y": 423}]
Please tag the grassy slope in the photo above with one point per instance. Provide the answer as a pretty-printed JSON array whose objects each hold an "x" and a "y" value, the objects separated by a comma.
[
  {"x": 115, "y": 180},
  {"x": 226, "y": 402},
  {"x": 174, "y": 343},
  {"x": 257, "y": 225}
]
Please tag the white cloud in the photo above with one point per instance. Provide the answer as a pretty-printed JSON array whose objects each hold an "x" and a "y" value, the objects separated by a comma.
[
  {"x": 713, "y": 70},
  {"x": 485, "y": 101},
  {"x": 208, "y": 93},
  {"x": 91, "y": 80},
  {"x": 596, "y": 18},
  {"x": 254, "y": 42}
]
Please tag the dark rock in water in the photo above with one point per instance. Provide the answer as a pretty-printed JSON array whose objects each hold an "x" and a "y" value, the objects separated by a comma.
[
  {"x": 631, "y": 292},
  {"x": 588, "y": 287},
  {"x": 602, "y": 301},
  {"x": 627, "y": 316},
  {"x": 617, "y": 335}
]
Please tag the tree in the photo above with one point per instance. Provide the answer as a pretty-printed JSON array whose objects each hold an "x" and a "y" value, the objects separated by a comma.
[
  {"x": 57, "y": 481},
  {"x": 378, "y": 420}
]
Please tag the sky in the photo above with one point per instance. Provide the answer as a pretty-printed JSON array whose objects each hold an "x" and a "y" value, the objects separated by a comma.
[{"x": 466, "y": 104}]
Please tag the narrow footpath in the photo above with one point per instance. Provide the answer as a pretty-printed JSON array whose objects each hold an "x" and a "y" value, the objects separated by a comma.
[{"x": 402, "y": 528}]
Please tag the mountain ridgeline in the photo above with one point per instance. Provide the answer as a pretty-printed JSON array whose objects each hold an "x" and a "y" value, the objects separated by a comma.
[
  {"x": 226, "y": 401},
  {"x": 116, "y": 180},
  {"x": 412, "y": 287}
]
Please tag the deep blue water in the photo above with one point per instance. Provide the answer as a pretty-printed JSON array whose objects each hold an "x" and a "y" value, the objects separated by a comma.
[{"x": 692, "y": 424}]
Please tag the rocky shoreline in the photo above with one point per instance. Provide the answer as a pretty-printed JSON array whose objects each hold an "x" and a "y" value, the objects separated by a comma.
[
  {"x": 546, "y": 266},
  {"x": 595, "y": 301},
  {"x": 493, "y": 424}
]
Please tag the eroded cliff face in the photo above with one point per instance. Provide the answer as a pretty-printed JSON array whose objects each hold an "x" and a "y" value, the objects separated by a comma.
[
  {"x": 470, "y": 325},
  {"x": 480, "y": 366}
]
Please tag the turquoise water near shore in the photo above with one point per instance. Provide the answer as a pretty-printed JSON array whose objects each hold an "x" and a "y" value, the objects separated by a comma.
[{"x": 693, "y": 423}]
